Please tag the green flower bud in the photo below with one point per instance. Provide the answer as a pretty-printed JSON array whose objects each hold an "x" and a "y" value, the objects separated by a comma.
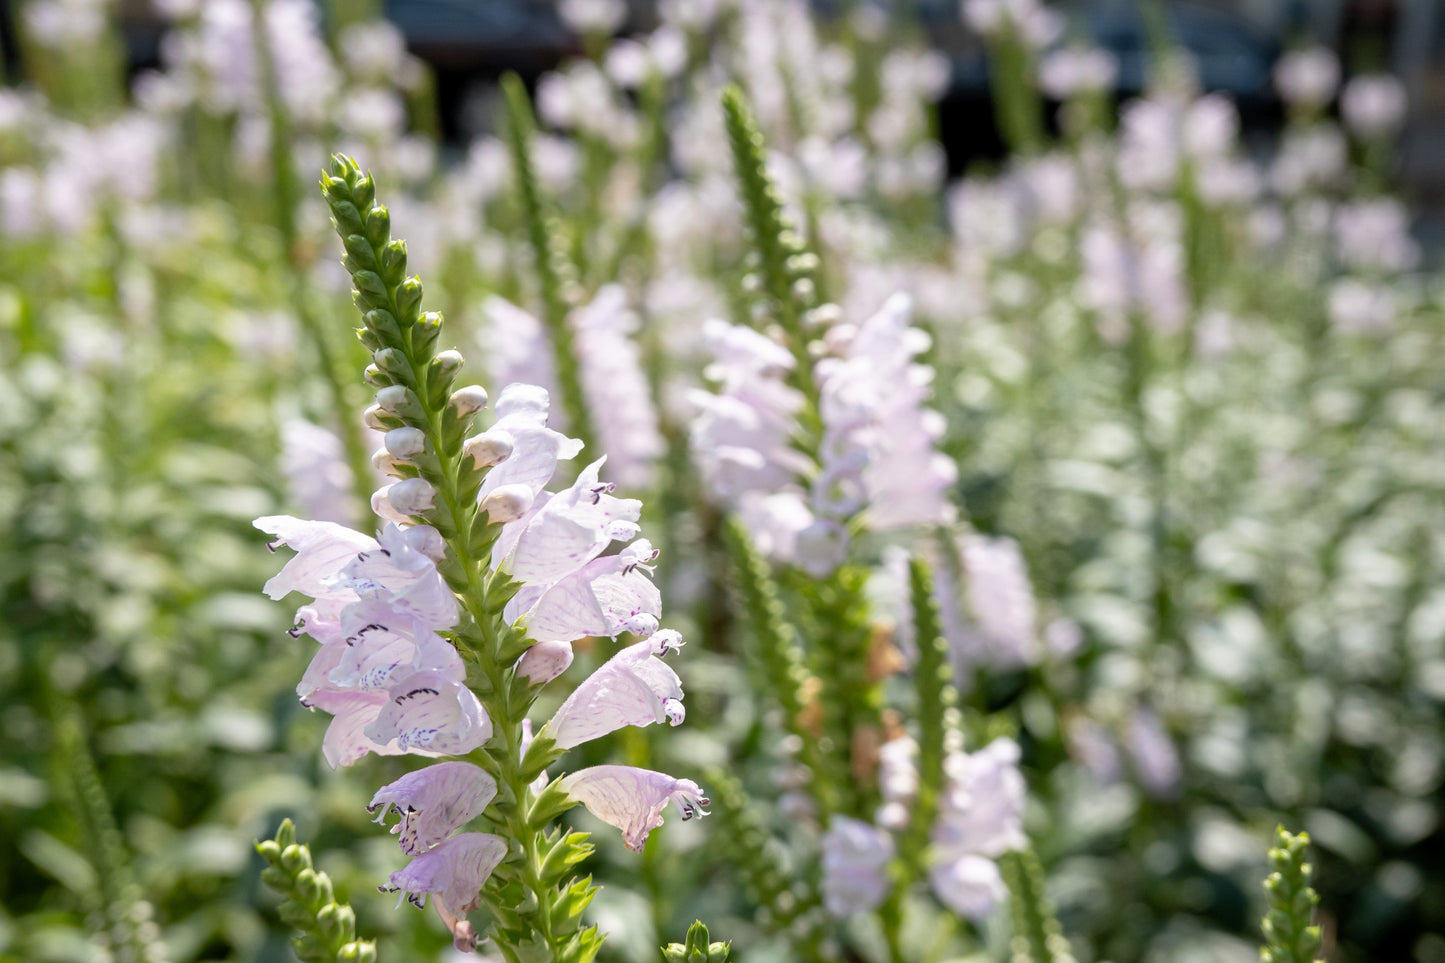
[
  {"x": 408, "y": 300},
  {"x": 393, "y": 262},
  {"x": 295, "y": 858},
  {"x": 378, "y": 226}
]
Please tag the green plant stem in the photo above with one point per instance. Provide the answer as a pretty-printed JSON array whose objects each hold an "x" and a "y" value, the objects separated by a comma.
[{"x": 549, "y": 265}]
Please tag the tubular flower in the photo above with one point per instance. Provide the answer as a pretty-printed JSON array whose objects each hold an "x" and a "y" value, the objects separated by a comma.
[
  {"x": 633, "y": 799},
  {"x": 453, "y": 872},
  {"x": 633, "y": 688},
  {"x": 433, "y": 803}
]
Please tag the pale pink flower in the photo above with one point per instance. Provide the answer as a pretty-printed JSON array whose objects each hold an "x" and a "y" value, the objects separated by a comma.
[
  {"x": 522, "y": 413},
  {"x": 968, "y": 884},
  {"x": 633, "y": 799},
  {"x": 605, "y": 597},
  {"x": 855, "y": 867},
  {"x": 618, "y": 395},
  {"x": 1373, "y": 106},
  {"x": 433, "y": 803},
  {"x": 454, "y": 873},
  {"x": 430, "y": 713},
  {"x": 567, "y": 530},
  {"x": 1308, "y": 77},
  {"x": 633, "y": 688}
]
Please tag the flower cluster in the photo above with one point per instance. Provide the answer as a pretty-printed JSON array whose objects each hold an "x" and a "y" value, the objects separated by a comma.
[
  {"x": 980, "y": 818},
  {"x": 393, "y": 628},
  {"x": 876, "y": 463}
]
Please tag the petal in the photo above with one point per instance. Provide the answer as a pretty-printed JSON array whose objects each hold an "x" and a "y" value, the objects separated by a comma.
[
  {"x": 607, "y": 596},
  {"x": 633, "y": 688},
  {"x": 633, "y": 799},
  {"x": 454, "y": 870},
  {"x": 430, "y": 713},
  {"x": 434, "y": 802},
  {"x": 855, "y": 866},
  {"x": 346, "y": 738},
  {"x": 322, "y": 550},
  {"x": 969, "y": 885}
]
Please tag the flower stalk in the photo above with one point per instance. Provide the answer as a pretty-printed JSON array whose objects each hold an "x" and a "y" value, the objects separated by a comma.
[
  {"x": 327, "y": 927},
  {"x": 1290, "y": 936}
]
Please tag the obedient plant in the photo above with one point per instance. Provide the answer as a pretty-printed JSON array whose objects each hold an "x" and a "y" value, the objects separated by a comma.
[
  {"x": 817, "y": 434},
  {"x": 437, "y": 635}
]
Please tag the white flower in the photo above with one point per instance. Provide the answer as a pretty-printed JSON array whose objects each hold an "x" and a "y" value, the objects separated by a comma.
[
  {"x": 633, "y": 799},
  {"x": 633, "y": 688},
  {"x": 433, "y": 803},
  {"x": 855, "y": 867}
]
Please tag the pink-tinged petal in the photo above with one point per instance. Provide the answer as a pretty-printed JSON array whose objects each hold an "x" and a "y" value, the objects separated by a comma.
[
  {"x": 855, "y": 866},
  {"x": 346, "y": 738},
  {"x": 373, "y": 655},
  {"x": 318, "y": 673},
  {"x": 982, "y": 806},
  {"x": 322, "y": 550},
  {"x": 607, "y": 596},
  {"x": 633, "y": 799},
  {"x": 536, "y": 449},
  {"x": 969, "y": 885},
  {"x": 399, "y": 572},
  {"x": 454, "y": 872},
  {"x": 434, "y": 802},
  {"x": 382, "y": 641},
  {"x": 544, "y": 661},
  {"x": 572, "y": 529},
  {"x": 430, "y": 713},
  {"x": 633, "y": 688}
]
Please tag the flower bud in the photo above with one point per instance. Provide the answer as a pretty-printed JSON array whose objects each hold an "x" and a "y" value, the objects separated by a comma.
[
  {"x": 412, "y": 496},
  {"x": 373, "y": 418},
  {"x": 392, "y": 397},
  {"x": 489, "y": 448},
  {"x": 544, "y": 661},
  {"x": 507, "y": 503},
  {"x": 384, "y": 462},
  {"x": 403, "y": 443},
  {"x": 447, "y": 363},
  {"x": 468, "y": 400}
]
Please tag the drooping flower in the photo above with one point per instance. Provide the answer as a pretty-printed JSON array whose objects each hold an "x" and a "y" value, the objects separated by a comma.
[
  {"x": 522, "y": 416},
  {"x": 453, "y": 872},
  {"x": 740, "y": 436},
  {"x": 564, "y": 532},
  {"x": 633, "y": 688},
  {"x": 433, "y": 803},
  {"x": 517, "y": 349},
  {"x": 322, "y": 548},
  {"x": 606, "y": 597},
  {"x": 317, "y": 477},
  {"x": 429, "y": 712},
  {"x": 970, "y": 885},
  {"x": 982, "y": 807},
  {"x": 1001, "y": 601},
  {"x": 633, "y": 799},
  {"x": 855, "y": 866}
]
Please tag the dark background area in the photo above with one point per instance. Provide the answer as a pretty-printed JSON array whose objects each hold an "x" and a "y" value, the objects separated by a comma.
[{"x": 469, "y": 43}]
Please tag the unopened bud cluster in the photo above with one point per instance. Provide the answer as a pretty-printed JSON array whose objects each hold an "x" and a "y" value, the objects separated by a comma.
[{"x": 328, "y": 928}]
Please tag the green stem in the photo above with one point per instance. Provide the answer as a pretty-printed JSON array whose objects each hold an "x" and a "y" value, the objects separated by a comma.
[{"x": 549, "y": 265}]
